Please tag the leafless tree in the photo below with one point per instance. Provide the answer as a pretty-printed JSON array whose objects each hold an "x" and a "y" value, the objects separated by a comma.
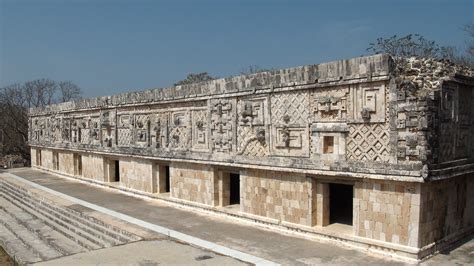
[
  {"x": 15, "y": 100},
  {"x": 195, "y": 78},
  {"x": 68, "y": 91},
  {"x": 418, "y": 46}
]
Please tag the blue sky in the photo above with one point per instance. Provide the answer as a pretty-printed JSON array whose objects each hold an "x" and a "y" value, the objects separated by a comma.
[{"x": 107, "y": 47}]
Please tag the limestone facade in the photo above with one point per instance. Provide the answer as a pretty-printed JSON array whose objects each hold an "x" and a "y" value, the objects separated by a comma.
[{"x": 382, "y": 146}]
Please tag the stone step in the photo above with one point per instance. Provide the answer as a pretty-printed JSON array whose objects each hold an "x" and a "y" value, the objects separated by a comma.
[
  {"x": 75, "y": 225},
  {"x": 16, "y": 248},
  {"x": 31, "y": 241},
  {"x": 103, "y": 234},
  {"x": 81, "y": 238},
  {"x": 120, "y": 236},
  {"x": 49, "y": 236}
]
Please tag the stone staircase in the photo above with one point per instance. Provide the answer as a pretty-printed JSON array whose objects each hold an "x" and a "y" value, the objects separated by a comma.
[{"x": 34, "y": 229}]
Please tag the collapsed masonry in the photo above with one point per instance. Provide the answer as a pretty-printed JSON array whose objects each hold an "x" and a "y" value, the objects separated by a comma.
[{"x": 382, "y": 147}]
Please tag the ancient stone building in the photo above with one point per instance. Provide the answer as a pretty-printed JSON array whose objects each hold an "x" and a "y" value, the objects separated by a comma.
[{"x": 373, "y": 152}]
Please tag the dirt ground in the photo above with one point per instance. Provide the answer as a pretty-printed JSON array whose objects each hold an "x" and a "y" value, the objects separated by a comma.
[{"x": 4, "y": 258}]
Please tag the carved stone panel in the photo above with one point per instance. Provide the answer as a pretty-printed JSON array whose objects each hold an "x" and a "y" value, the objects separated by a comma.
[
  {"x": 84, "y": 130},
  {"x": 159, "y": 130},
  {"x": 180, "y": 130},
  {"x": 329, "y": 104},
  {"x": 367, "y": 103},
  {"x": 95, "y": 131},
  {"x": 107, "y": 125},
  {"x": 200, "y": 129},
  {"x": 252, "y": 111},
  {"x": 56, "y": 129},
  {"x": 66, "y": 130},
  {"x": 291, "y": 141},
  {"x": 222, "y": 124},
  {"x": 124, "y": 130},
  {"x": 142, "y": 131},
  {"x": 290, "y": 121}
]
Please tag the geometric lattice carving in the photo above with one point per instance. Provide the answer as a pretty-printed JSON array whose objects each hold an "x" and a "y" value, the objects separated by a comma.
[
  {"x": 250, "y": 143},
  {"x": 368, "y": 142},
  {"x": 124, "y": 130},
  {"x": 290, "y": 105},
  {"x": 255, "y": 148},
  {"x": 85, "y": 135},
  {"x": 124, "y": 137}
]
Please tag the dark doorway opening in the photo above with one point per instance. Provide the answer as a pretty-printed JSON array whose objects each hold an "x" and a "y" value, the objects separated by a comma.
[
  {"x": 340, "y": 203},
  {"x": 167, "y": 178},
  {"x": 117, "y": 171},
  {"x": 234, "y": 188}
]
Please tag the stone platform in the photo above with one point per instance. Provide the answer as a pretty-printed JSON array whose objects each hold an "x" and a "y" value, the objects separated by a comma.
[
  {"x": 246, "y": 238},
  {"x": 39, "y": 227}
]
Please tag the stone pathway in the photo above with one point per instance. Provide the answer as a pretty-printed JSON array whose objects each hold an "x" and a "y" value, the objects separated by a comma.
[{"x": 149, "y": 253}]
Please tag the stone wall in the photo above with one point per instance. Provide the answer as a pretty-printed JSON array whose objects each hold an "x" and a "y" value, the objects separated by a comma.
[
  {"x": 47, "y": 159},
  {"x": 136, "y": 174},
  {"x": 194, "y": 182},
  {"x": 387, "y": 211},
  {"x": 447, "y": 208},
  {"x": 33, "y": 154},
  {"x": 66, "y": 162},
  {"x": 93, "y": 166},
  {"x": 277, "y": 195}
]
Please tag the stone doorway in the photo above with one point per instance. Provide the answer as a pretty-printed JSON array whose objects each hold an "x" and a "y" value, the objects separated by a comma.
[
  {"x": 116, "y": 177},
  {"x": 341, "y": 198},
  {"x": 234, "y": 188},
  {"x": 161, "y": 178},
  {"x": 229, "y": 188}
]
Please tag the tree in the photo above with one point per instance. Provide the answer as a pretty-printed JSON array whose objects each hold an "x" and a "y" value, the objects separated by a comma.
[
  {"x": 15, "y": 100},
  {"x": 415, "y": 45},
  {"x": 195, "y": 78},
  {"x": 68, "y": 91},
  {"x": 406, "y": 46}
]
